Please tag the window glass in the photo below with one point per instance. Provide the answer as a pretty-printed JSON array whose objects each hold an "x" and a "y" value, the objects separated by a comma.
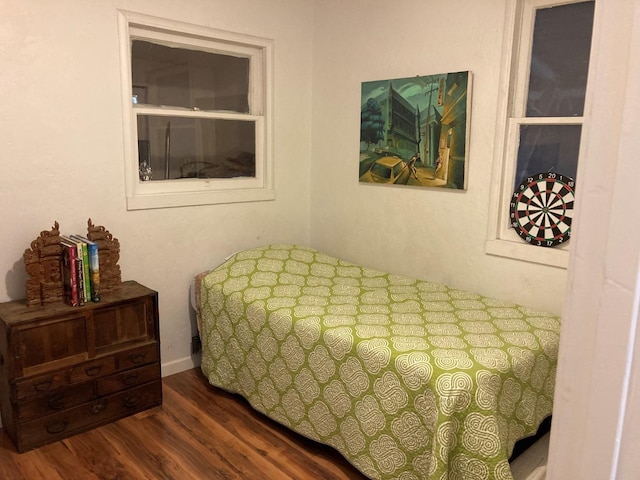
[
  {"x": 181, "y": 77},
  {"x": 180, "y": 147},
  {"x": 560, "y": 60},
  {"x": 548, "y": 148}
]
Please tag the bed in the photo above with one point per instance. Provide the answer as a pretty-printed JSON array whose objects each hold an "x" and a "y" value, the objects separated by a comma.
[{"x": 406, "y": 379}]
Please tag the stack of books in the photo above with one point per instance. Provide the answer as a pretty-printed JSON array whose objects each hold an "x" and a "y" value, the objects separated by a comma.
[{"x": 80, "y": 270}]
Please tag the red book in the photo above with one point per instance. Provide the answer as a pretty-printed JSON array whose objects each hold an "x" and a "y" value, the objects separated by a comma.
[{"x": 70, "y": 272}]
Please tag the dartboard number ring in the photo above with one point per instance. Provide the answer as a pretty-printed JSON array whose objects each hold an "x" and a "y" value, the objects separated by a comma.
[{"x": 542, "y": 208}]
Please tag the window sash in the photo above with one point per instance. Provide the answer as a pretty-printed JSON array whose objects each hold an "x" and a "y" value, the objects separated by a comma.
[
  {"x": 523, "y": 43},
  {"x": 208, "y": 184},
  {"x": 254, "y": 54}
]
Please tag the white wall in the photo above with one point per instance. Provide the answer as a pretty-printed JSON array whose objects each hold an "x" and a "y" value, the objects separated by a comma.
[
  {"x": 61, "y": 140},
  {"x": 433, "y": 234},
  {"x": 597, "y": 390}
]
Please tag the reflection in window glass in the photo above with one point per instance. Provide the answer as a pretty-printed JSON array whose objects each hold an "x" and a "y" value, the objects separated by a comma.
[
  {"x": 548, "y": 148},
  {"x": 181, "y": 77},
  {"x": 560, "y": 60},
  {"x": 172, "y": 147}
]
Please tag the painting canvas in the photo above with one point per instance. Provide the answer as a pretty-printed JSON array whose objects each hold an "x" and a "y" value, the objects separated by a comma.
[{"x": 414, "y": 131}]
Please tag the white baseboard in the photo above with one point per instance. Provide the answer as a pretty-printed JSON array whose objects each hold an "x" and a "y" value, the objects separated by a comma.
[{"x": 180, "y": 365}]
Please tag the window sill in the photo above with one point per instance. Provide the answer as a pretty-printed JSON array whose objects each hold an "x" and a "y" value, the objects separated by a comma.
[
  {"x": 554, "y": 257},
  {"x": 166, "y": 200}
]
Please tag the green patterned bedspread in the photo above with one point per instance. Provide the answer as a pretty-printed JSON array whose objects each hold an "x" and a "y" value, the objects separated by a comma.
[{"x": 407, "y": 379}]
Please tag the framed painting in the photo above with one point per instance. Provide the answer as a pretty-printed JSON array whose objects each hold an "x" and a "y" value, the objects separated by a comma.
[{"x": 414, "y": 131}]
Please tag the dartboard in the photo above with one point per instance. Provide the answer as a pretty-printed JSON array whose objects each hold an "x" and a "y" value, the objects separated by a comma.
[{"x": 542, "y": 207}]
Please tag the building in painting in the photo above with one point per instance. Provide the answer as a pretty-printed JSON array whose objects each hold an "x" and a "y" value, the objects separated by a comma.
[
  {"x": 453, "y": 130},
  {"x": 403, "y": 125}
]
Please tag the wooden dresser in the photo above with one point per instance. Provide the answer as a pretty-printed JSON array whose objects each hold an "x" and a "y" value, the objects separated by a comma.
[{"x": 65, "y": 370}]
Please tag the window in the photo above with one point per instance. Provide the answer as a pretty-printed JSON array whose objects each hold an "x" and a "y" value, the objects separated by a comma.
[
  {"x": 540, "y": 125},
  {"x": 197, "y": 114}
]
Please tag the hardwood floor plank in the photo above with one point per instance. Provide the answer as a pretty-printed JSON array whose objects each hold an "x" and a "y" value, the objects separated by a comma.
[
  {"x": 273, "y": 440},
  {"x": 194, "y": 454},
  {"x": 59, "y": 458},
  {"x": 99, "y": 456},
  {"x": 221, "y": 448},
  {"x": 238, "y": 441},
  {"x": 200, "y": 432},
  {"x": 34, "y": 465},
  {"x": 238, "y": 444},
  {"x": 137, "y": 443}
]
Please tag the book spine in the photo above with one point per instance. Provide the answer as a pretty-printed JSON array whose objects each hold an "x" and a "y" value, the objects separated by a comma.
[
  {"x": 94, "y": 270},
  {"x": 85, "y": 266},
  {"x": 85, "y": 271},
  {"x": 82, "y": 291},
  {"x": 69, "y": 273},
  {"x": 93, "y": 265}
]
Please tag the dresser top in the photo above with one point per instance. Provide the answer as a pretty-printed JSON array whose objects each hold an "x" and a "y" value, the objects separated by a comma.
[{"x": 18, "y": 311}]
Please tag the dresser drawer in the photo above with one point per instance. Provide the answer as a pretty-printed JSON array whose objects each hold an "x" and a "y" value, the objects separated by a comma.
[
  {"x": 136, "y": 357},
  {"x": 82, "y": 372},
  {"x": 41, "y": 385},
  {"x": 128, "y": 379},
  {"x": 93, "y": 369},
  {"x": 89, "y": 415},
  {"x": 58, "y": 401}
]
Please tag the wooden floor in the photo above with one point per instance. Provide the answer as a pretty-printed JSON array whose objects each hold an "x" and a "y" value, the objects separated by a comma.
[{"x": 198, "y": 433}]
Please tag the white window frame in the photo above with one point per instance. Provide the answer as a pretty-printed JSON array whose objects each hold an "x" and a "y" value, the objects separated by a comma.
[
  {"x": 194, "y": 191},
  {"x": 502, "y": 240}
]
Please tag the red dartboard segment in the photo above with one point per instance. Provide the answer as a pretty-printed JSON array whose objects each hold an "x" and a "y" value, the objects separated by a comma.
[{"x": 542, "y": 207}]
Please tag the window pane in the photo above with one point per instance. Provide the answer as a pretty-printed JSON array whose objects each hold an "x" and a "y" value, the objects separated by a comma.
[
  {"x": 181, "y": 77},
  {"x": 548, "y": 148},
  {"x": 560, "y": 60},
  {"x": 181, "y": 147}
]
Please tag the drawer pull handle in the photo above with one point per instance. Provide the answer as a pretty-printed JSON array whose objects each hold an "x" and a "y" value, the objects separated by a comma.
[
  {"x": 56, "y": 403},
  {"x": 57, "y": 427},
  {"x": 92, "y": 371},
  {"x": 42, "y": 386},
  {"x": 130, "y": 379},
  {"x": 137, "y": 357},
  {"x": 97, "y": 407},
  {"x": 131, "y": 402}
]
